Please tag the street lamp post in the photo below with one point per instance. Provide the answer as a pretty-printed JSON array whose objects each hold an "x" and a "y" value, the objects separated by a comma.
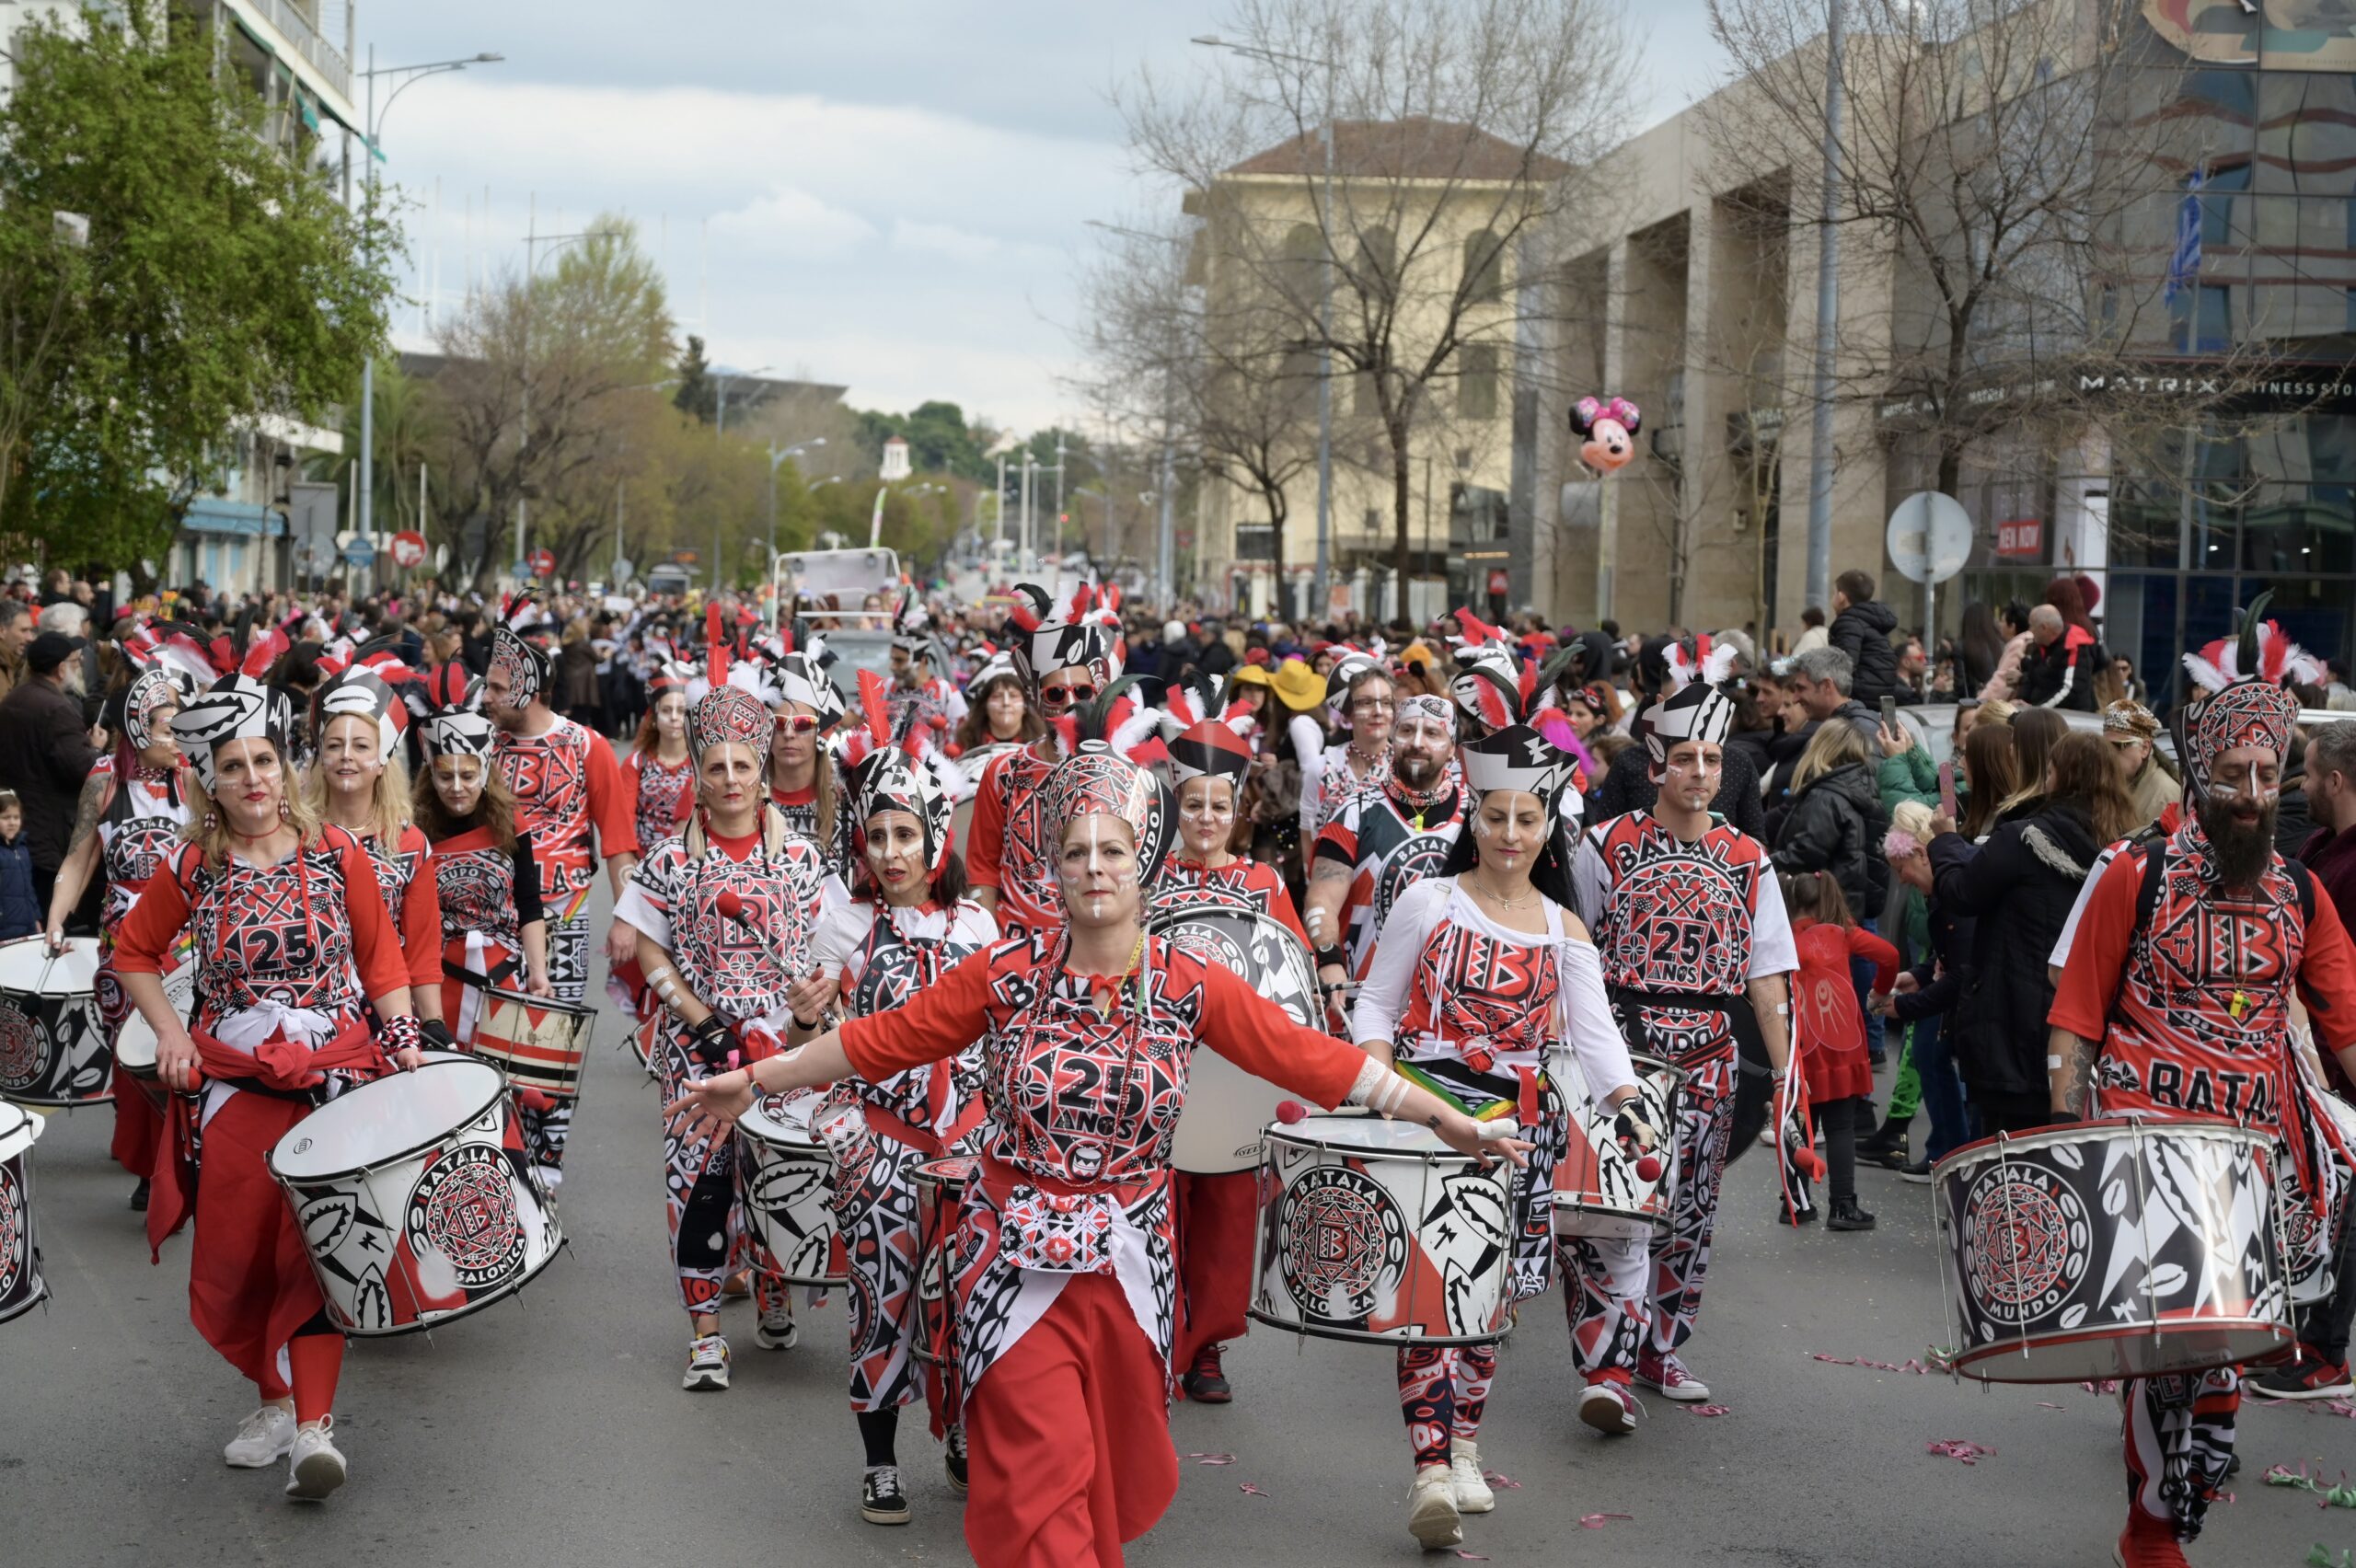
[
  {"x": 366, "y": 517},
  {"x": 777, "y": 455}
]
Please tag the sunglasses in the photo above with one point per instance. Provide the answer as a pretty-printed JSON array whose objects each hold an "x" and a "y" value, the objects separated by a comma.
[
  {"x": 798, "y": 723},
  {"x": 1055, "y": 696}
]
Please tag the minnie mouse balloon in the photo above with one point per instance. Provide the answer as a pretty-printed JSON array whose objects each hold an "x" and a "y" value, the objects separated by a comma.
[{"x": 1607, "y": 429}]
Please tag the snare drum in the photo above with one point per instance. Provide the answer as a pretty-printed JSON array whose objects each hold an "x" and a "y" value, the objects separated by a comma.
[
  {"x": 788, "y": 1178},
  {"x": 21, "y": 1286},
  {"x": 1226, "y": 1108},
  {"x": 416, "y": 1199},
  {"x": 135, "y": 1043},
  {"x": 2111, "y": 1250},
  {"x": 1597, "y": 1190},
  {"x": 1376, "y": 1230},
  {"x": 537, "y": 1041},
  {"x": 940, "y": 1196},
  {"x": 51, "y": 1050}
]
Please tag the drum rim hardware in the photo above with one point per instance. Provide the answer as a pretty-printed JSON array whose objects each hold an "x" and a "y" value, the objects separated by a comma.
[{"x": 385, "y": 1162}]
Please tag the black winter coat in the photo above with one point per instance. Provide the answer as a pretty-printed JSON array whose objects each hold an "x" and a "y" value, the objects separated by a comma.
[
  {"x": 1862, "y": 631},
  {"x": 1629, "y": 787},
  {"x": 1836, "y": 825},
  {"x": 2019, "y": 887}
]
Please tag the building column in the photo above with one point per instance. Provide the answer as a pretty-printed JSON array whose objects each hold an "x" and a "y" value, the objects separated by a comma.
[
  {"x": 1615, "y": 367},
  {"x": 1702, "y": 452}
]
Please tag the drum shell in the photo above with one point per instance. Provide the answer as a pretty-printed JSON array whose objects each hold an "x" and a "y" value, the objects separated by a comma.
[
  {"x": 2035, "y": 1232},
  {"x": 136, "y": 1045},
  {"x": 22, "y": 1287},
  {"x": 789, "y": 1178},
  {"x": 2310, "y": 1244},
  {"x": 539, "y": 1043},
  {"x": 53, "y": 1051},
  {"x": 940, "y": 1199},
  {"x": 1368, "y": 1234},
  {"x": 1220, "y": 1125},
  {"x": 416, "y": 1240},
  {"x": 1597, "y": 1190}
]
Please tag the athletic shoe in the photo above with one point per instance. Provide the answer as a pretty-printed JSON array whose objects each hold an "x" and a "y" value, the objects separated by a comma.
[
  {"x": 777, "y": 1329},
  {"x": 317, "y": 1468},
  {"x": 139, "y": 1198},
  {"x": 1847, "y": 1216},
  {"x": 1472, "y": 1494},
  {"x": 264, "y": 1438},
  {"x": 2309, "y": 1378},
  {"x": 1431, "y": 1508},
  {"x": 1206, "y": 1382},
  {"x": 1784, "y": 1216},
  {"x": 2147, "y": 1543},
  {"x": 954, "y": 1460},
  {"x": 1609, "y": 1407},
  {"x": 738, "y": 1286},
  {"x": 1919, "y": 1173},
  {"x": 1666, "y": 1374},
  {"x": 880, "y": 1499},
  {"x": 707, "y": 1365}
]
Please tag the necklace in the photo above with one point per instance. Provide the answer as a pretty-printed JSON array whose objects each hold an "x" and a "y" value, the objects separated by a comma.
[{"x": 1499, "y": 899}]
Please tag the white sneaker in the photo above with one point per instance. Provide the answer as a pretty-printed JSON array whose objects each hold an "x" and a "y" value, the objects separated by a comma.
[
  {"x": 1472, "y": 1494},
  {"x": 777, "y": 1329},
  {"x": 264, "y": 1438},
  {"x": 318, "y": 1466},
  {"x": 707, "y": 1365},
  {"x": 1431, "y": 1508}
]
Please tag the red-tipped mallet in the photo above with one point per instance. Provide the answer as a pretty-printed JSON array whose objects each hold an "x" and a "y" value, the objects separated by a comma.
[
  {"x": 1649, "y": 1168},
  {"x": 1290, "y": 1111}
]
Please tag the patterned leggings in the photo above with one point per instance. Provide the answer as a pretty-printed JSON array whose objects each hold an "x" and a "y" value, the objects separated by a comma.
[
  {"x": 700, "y": 1205},
  {"x": 880, "y": 1245},
  {"x": 1603, "y": 1296},
  {"x": 1682, "y": 1254},
  {"x": 1442, "y": 1393},
  {"x": 2178, "y": 1436},
  {"x": 545, "y": 1131}
]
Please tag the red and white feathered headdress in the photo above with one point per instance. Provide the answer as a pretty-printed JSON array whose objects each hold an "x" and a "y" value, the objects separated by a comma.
[
  {"x": 888, "y": 772},
  {"x": 2242, "y": 699},
  {"x": 519, "y": 649},
  {"x": 1084, "y": 631},
  {"x": 1691, "y": 708},
  {"x": 240, "y": 705},
  {"x": 453, "y": 719},
  {"x": 373, "y": 686},
  {"x": 169, "y": 665},
  {"x": 1492, "y": 684}
]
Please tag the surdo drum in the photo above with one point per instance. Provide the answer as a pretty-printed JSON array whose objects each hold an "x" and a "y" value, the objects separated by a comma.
[
  {"x": 537, "y": 1041},
  {"x": 940, "y": 1196},
  {"x": 2111, "y": 1250},
  {"x": 416, "y": 1199},
  {"x": 51, "y": 1050},
  {"x": 1597, "y": 1189},
  {"x": 21, "y": 1286},
  {"x": 1376, "y": 1230},
  {"x": 1219, "y": 1127},
  {"x": 134, "y": 1043},
  {"x": 789, "y": 1178}
]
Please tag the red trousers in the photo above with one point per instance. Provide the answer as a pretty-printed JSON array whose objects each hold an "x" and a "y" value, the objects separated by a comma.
[
  {"x": 1068, "y": 1433},
  {"x": 138, "y": 1124},
  {"x": 249, "y": 1280},
  {"x": 1216, "y": 1217}
]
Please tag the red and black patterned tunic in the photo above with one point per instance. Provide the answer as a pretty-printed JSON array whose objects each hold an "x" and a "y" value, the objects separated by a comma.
[
  {"x": 567, "y": 786},
  {"x": 411, "y": 900},
  {"x": 1242, "y": 882},
  {"x": 1390, "y": 841},
  {"x": 1010, "y": 853},
  {"x": 138, "y": 832},
  {"x": 487, "y": 896},
  {"x": 662, "y": 792}
]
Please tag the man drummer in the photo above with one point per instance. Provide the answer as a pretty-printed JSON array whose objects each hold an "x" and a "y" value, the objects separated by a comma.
[
  {"x": 1385, "y": 839},
  {"x": 2176, "y": 1004},
  {"x": 1688, "y": 917}
]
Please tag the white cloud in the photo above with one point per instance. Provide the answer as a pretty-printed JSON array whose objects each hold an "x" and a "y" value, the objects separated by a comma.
[{"x": 791, "y": 223}]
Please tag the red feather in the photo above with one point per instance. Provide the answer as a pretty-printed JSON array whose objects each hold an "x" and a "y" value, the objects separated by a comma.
[
  {"x": 1528, "y": 680},
  {"x": 262, "y": 653},
  {"x": 1476, "y": 630},
  {"x": 875, "y": 705},
  {"x": 715, "y": 659}
]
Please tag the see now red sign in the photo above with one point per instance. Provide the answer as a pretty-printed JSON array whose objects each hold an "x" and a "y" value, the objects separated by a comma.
[
  {"x": 1498, "y": 582},
  {"x": 2021, "y": 539}
]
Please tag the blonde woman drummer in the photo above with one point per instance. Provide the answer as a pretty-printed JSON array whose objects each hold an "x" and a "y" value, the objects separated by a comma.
[
  {"x": 907, "y": 922},
  {"x": 724, "y": 915},
  {"x": 295, "y": 954},
  {"x": 1479, "y": 974}
]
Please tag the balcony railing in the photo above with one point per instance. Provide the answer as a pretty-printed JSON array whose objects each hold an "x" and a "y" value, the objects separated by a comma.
[{"x": 296, "y": 25}]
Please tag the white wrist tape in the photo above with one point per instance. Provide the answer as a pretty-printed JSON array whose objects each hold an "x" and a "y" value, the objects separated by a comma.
[
  {"x": 1503, "y": 1128},
  {"x": 1378, "y": 1088}
]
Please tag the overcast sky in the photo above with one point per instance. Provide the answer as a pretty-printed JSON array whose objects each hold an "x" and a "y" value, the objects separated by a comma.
[{"x": 889, "y": 195}]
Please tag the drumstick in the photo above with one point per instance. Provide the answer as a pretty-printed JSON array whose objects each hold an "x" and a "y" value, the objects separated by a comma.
[{"x": 732, "y": 907}]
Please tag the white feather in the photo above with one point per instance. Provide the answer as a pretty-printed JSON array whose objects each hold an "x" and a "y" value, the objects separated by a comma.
[
  {"x": 1134, "y": 729},
  {"x": 2206, "y": 674}
]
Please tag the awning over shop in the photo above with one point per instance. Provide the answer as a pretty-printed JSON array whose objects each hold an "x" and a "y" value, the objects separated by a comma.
[{"x": 243, "y": 519}]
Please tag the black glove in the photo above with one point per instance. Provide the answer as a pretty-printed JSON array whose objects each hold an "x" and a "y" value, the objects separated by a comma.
[
  {"x": 437, "y": 1034},
  {"x": 1635, "y": 1133},
  {"x": 709, "y": 1042},
  {"x": 2063, "y": 1118}
]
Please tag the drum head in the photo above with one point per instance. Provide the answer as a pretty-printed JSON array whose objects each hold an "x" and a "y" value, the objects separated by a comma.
[
  {"x": 773, "y": 1119},
  {"x": 1370, "y": 1134},
  {"x": 19, "y": 1129},
  {"x": 382, "y": 1122},
  {"x": 26, "y": 965}
]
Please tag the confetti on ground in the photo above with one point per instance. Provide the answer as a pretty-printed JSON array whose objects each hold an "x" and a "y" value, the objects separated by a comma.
[
  {"x": 2108, "y": 1386},
  {"x": 2340, "y": 1496},
  {"x": 1711, "y": 1409},
  {"x": 2319, "y": 1556},
  {"x": 1250, "y": 1491},
  {"x": 1911, "y": 1364},
  {"x": 1597, "y": 1521},
  {"x": 2048, "y": 1404},
  {"x": 1212, "y": 1459},
  {"x": 1496, "y": 1478},
  {"x": 1955, "y": 1448},
  {"x": 1470, "y": 1556}
]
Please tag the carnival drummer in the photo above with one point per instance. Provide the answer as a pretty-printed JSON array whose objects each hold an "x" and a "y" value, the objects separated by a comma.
[
  {"x": 723, "y": 915},
  {"x": 1690, "y": 924},
  {"x": 1065, "y": 1300},
  {"x": 661, "y": 772},
  {"x": 2201, "y": 1030},
  {"x": 906, "y": 924},
  {"x": 294, "y": 947},
  {"x": 1385, "y": 839},
  {"x": 1476, "y": 974}
]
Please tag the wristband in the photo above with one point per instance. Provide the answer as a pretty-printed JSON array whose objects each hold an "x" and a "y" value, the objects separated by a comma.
[
  {"x": 401, "y": 1034},
  {"x": 1333, "y": 955}
]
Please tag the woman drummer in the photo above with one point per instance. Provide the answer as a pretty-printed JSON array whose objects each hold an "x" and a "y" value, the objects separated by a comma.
[
  {"x": 723, "y": 978},
  {"x": 1065, "y": 1295},
  {"x": 1216, "y": 1213},
  {"x": 356, "y": 782},
  {"x": 133, "y": 808},
  {"x": 907, "y": 922},
  {"x": 999, "y": 717},
  {"x": 294, "y": 955},
  {"x": 1479, "y": 972},
  {"x": 804, "y": 783},
  {"x": 661, "y": 775},
  {"x": 485, "y": 877}
]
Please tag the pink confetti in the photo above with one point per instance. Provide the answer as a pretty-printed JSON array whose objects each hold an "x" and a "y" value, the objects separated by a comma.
[
  {"x": 2108, "y": 1386},
  {"x": 1836, "y": 1360},
  {"x": 1470, "y": 1556},
  {"x": 1909, "y": 1364},
  {"x": 1250, "y": 1491},
  {"x": 1597, "y": 1521},
  {"x": 1711, "y": 1409},
  {"x": 1955, "y": 1448},
  {"x": 1496, "y": 1478}
]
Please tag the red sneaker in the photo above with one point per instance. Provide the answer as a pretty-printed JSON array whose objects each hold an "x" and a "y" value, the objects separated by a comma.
[
  {"x": 1206, "y": 1382},
  {"x": 2147, "y": 1543},
  {"x": 2309, "y": 1378}
]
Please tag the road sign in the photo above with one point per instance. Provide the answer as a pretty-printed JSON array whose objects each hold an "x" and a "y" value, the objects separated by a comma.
[
  {"x": 1929, "y": 536},
  {"x": 358, "y": 550},
  {"x": 543, "y": 563},
  {"x": 623, "y": 572},
  {"x": 408, "y": 548}
]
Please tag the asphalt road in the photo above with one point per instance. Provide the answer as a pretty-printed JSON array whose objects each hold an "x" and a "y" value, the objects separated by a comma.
[{"x": 551, "y": 1428}]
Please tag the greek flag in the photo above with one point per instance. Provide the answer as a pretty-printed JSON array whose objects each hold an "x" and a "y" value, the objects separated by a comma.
[{"x": 2184, "y": 263}]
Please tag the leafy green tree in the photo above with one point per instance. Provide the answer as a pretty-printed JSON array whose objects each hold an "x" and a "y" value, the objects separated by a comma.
[
  {"x": 169, "y": 273},
  {"x": 695, "y": 392}
]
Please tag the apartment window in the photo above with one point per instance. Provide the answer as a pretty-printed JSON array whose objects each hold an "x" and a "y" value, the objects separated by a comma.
[
  {"x": 1484, "y": 266},
  {"x": 2203, "y": 319},
  {"x": 1477, "y": 385}
]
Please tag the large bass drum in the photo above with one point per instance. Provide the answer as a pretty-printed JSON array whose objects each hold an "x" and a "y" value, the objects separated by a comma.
[
  {"x": 51, "y": 1050},
  {"x": 2111, "y": 1250},
  {"x": 21, "y": 1286},
  {"x": 1227, "y": 1109}
]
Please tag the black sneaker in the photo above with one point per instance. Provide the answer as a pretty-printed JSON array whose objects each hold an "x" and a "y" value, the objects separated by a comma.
[
  {"x": 1847, "y": 1216},
  {"x": 1206, "y": 1381},
  {"x": 1783, "y": 1215},
  {"x": 954, "y": 1460},
  {"x": 881, "y": 1501},
  {"x": 139, "y": 1198},
  {"x": 1919, "y": 1173},
  {"x": 2309, "y": 1378}
]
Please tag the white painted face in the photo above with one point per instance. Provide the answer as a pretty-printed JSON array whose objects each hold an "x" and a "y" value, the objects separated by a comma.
[
  {"x": 350, "y": 755},
  {"x": 671, "y": 715},
  {"x": 728, "y": 779},
  {"x": 458, "y": 780},
  {"x": 2248, "y": 778},
  {"x": 896, "y": 855},
  {"x": 1509, "y": 828},
  {"x": 1206, "y": 814},
  {"x": 1098, "y": 870}
]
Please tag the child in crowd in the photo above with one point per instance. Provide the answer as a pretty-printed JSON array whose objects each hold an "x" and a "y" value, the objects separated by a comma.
[
  {"x": 19, "y": 907},
  {"x": 1830, "y": 1031}
]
